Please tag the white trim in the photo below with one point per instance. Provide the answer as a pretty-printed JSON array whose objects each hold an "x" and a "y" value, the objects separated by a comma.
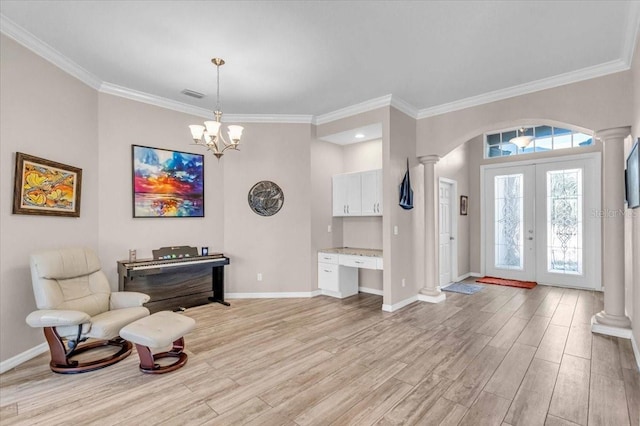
[
  {"x": 273, "y": 295},
  {"x": 42, "y": 49},
  {"x": 636, "y": 351},
  {"x": 463, "y": 277},
  {"x": 399, "y": 305},
  {"x": 631, "y": 33},
  {"x": 25, "y": 356},
  {"x": 624, "y": 333},
  {"x": 588, "y": 73},
  {"x": 370, "y": 291},
  {"x": 432, "y": 299},
  {"x": 476, "y": 274},
  {"x": 352, "y": 110},
  {"x": 134, "y": 95},
  {"x": 404, "y": 106}
]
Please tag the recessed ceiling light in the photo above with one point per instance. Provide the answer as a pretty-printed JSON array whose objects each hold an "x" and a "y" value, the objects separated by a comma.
[{"x": 359, "y": 135}]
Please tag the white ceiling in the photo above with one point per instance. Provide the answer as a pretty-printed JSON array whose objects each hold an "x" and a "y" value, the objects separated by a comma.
[{"x": 316, "y": 57}]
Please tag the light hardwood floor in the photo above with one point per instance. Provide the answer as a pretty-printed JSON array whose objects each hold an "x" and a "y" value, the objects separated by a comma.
[{"x": 503, "y": 356}]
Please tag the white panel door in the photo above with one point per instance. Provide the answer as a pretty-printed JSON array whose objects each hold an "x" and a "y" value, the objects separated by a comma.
[
  {"x": 445, "y": 231},
  {"x": 354, "y": 194},
  {"x": 339, "y": 195}
]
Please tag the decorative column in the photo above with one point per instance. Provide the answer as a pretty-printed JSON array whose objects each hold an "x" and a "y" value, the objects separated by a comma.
[
  {"x": 612, "y": 320},
  {"x": 431, "y": 291}
]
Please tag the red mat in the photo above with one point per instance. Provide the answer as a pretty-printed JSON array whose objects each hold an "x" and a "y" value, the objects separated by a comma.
[{"x": 509, "y": 283}]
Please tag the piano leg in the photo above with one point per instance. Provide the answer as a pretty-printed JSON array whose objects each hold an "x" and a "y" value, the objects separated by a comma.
[{"x": 217, "y": 279}]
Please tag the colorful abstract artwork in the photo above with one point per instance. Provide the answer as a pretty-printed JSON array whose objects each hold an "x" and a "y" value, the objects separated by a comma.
[
  {"x": 167, "y": 183},
  {"x": 44, "y": 187}
]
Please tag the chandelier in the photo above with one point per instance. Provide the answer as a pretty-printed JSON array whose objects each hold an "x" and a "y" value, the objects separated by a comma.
[
  {"x": 210, "y": 135},
  {"x": 522, "y": 141}
]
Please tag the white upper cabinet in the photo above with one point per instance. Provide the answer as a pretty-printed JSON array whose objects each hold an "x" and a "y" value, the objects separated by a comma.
[
  {"x": 371, "y": 193},
  {"x": 347, "y": 195},
  {"x": 358, "y": 194}
]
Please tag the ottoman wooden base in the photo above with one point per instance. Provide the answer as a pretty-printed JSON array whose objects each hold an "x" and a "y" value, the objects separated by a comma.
[{"x": 156, "y": 331}]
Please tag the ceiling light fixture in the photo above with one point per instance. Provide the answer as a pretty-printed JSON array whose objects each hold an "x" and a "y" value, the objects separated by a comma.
[
  {"x": 522, "y": 141},
  {"x": 359, "y": 135},
  {"x": 209, "y": 135}
]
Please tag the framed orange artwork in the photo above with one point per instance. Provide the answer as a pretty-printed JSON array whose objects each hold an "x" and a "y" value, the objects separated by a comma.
[{"x": 45, "y": 187}]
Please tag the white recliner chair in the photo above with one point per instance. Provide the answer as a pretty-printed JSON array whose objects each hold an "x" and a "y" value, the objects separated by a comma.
[{"x": 75, "y": 303}]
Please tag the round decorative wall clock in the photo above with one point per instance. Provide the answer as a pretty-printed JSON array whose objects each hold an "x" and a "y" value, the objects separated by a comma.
[{"x": 266, "y": 198}]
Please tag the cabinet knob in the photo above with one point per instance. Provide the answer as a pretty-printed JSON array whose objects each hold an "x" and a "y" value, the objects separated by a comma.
[{"x": 326, "y": 270}]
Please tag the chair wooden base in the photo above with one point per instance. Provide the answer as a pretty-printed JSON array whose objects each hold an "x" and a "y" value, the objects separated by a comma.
[
  {"x": 148, "y": 359},
  {"x": 62, "y": 364}
]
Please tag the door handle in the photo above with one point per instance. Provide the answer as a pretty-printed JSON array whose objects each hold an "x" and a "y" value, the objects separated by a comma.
[
  {"x": 451, "y": 238},
  {"x": 530, "y": 238}
]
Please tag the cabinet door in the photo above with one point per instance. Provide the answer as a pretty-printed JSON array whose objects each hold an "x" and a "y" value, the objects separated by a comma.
[
  {"x": 328, "y": 277},
  {"x": 372, "y": 193},
  {"x": 369, "y": 193},
  {"x": 340, "y": 195},
  {"x": 354, "y": 194}
]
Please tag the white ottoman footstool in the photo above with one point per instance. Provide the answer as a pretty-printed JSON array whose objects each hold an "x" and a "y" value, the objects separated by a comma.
[{"x": 156, "y": 331}]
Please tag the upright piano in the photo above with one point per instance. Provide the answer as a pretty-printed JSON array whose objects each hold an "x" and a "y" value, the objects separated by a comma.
[{"x": 176, "y": 283}]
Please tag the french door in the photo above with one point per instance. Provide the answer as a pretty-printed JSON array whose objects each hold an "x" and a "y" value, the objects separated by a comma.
[{"x": 541, "y": 222}]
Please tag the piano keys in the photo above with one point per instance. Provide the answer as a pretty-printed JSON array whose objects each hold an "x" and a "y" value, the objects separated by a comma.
[{"x": 176, "y": 283}]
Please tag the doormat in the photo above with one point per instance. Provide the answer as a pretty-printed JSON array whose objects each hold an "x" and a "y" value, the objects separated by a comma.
[
  {"x": 509, "y": 283},
  {"x": 463, "y": 288}
]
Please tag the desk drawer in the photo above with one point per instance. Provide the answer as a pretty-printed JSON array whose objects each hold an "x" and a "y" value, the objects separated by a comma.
[
  {"x": 328, "y": 258},
  {"x": 358, "y": 261}
]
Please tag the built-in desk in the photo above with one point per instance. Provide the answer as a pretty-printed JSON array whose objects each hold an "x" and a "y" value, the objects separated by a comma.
[{"x": 338, "y": 269}]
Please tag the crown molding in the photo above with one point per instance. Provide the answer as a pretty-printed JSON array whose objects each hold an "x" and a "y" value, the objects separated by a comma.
[
  {"x": 632, "y": 32},
  {"x": 523, "y": 89},
  {"x": 404, "y": 106},
  {"x": 134, "y": 95},
  {"x": 352, "y": 110},
  {"x": 42, "y": 49}
]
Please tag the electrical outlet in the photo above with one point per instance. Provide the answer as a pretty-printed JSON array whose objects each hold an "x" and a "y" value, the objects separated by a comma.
[
  {"x": 329, "y": 228},
  {"x": 403, "y": 282},
  {"x": 395, "y": 230},
  {"x": 259, "y": 276}
]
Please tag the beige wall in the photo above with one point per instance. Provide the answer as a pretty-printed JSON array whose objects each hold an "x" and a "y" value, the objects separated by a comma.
[
  {"x": 402, "y": 248},
  {"x": 123, "y": 123},
  {"x": 326, "y": 161},
  {"x": 596, "y": 104},
  {"x": 49, "y": 114},
  {"x": 277, "y": 246},
  {"x": 455, "y": 166}
]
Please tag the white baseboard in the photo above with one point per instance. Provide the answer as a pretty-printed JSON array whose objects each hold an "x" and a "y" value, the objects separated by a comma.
[
  {"x": 636, "y": 350},
  {"x": 463, "y": 277},
  {"x": 23, "y": 357},
  {"x": 273, "y": 295},
  {"x": 476, "y": 274},
  {"x": 371, "y": 291},
  {"x": 399, "y": 305}
]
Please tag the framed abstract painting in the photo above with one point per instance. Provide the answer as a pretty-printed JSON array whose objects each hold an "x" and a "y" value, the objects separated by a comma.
[
  {"x": 45, "y": 187},
  {"x": 167, "y": 183}
]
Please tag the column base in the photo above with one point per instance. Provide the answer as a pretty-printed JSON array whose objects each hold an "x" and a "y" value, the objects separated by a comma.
[
  {"x": 431, "y": 296},
  {"x": 611, "y": 325}
]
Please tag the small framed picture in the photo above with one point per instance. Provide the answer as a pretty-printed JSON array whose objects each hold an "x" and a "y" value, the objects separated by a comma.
[
  {"x": 204, "y": 251},
  {"x": 464, "y": 204}
]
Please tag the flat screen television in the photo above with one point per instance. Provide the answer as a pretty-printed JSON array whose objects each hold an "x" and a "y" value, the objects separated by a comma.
[{"x": 632, "y": 177}]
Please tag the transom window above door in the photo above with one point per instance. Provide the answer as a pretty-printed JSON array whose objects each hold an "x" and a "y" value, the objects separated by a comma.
[{"x": 529, "y": 139}]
